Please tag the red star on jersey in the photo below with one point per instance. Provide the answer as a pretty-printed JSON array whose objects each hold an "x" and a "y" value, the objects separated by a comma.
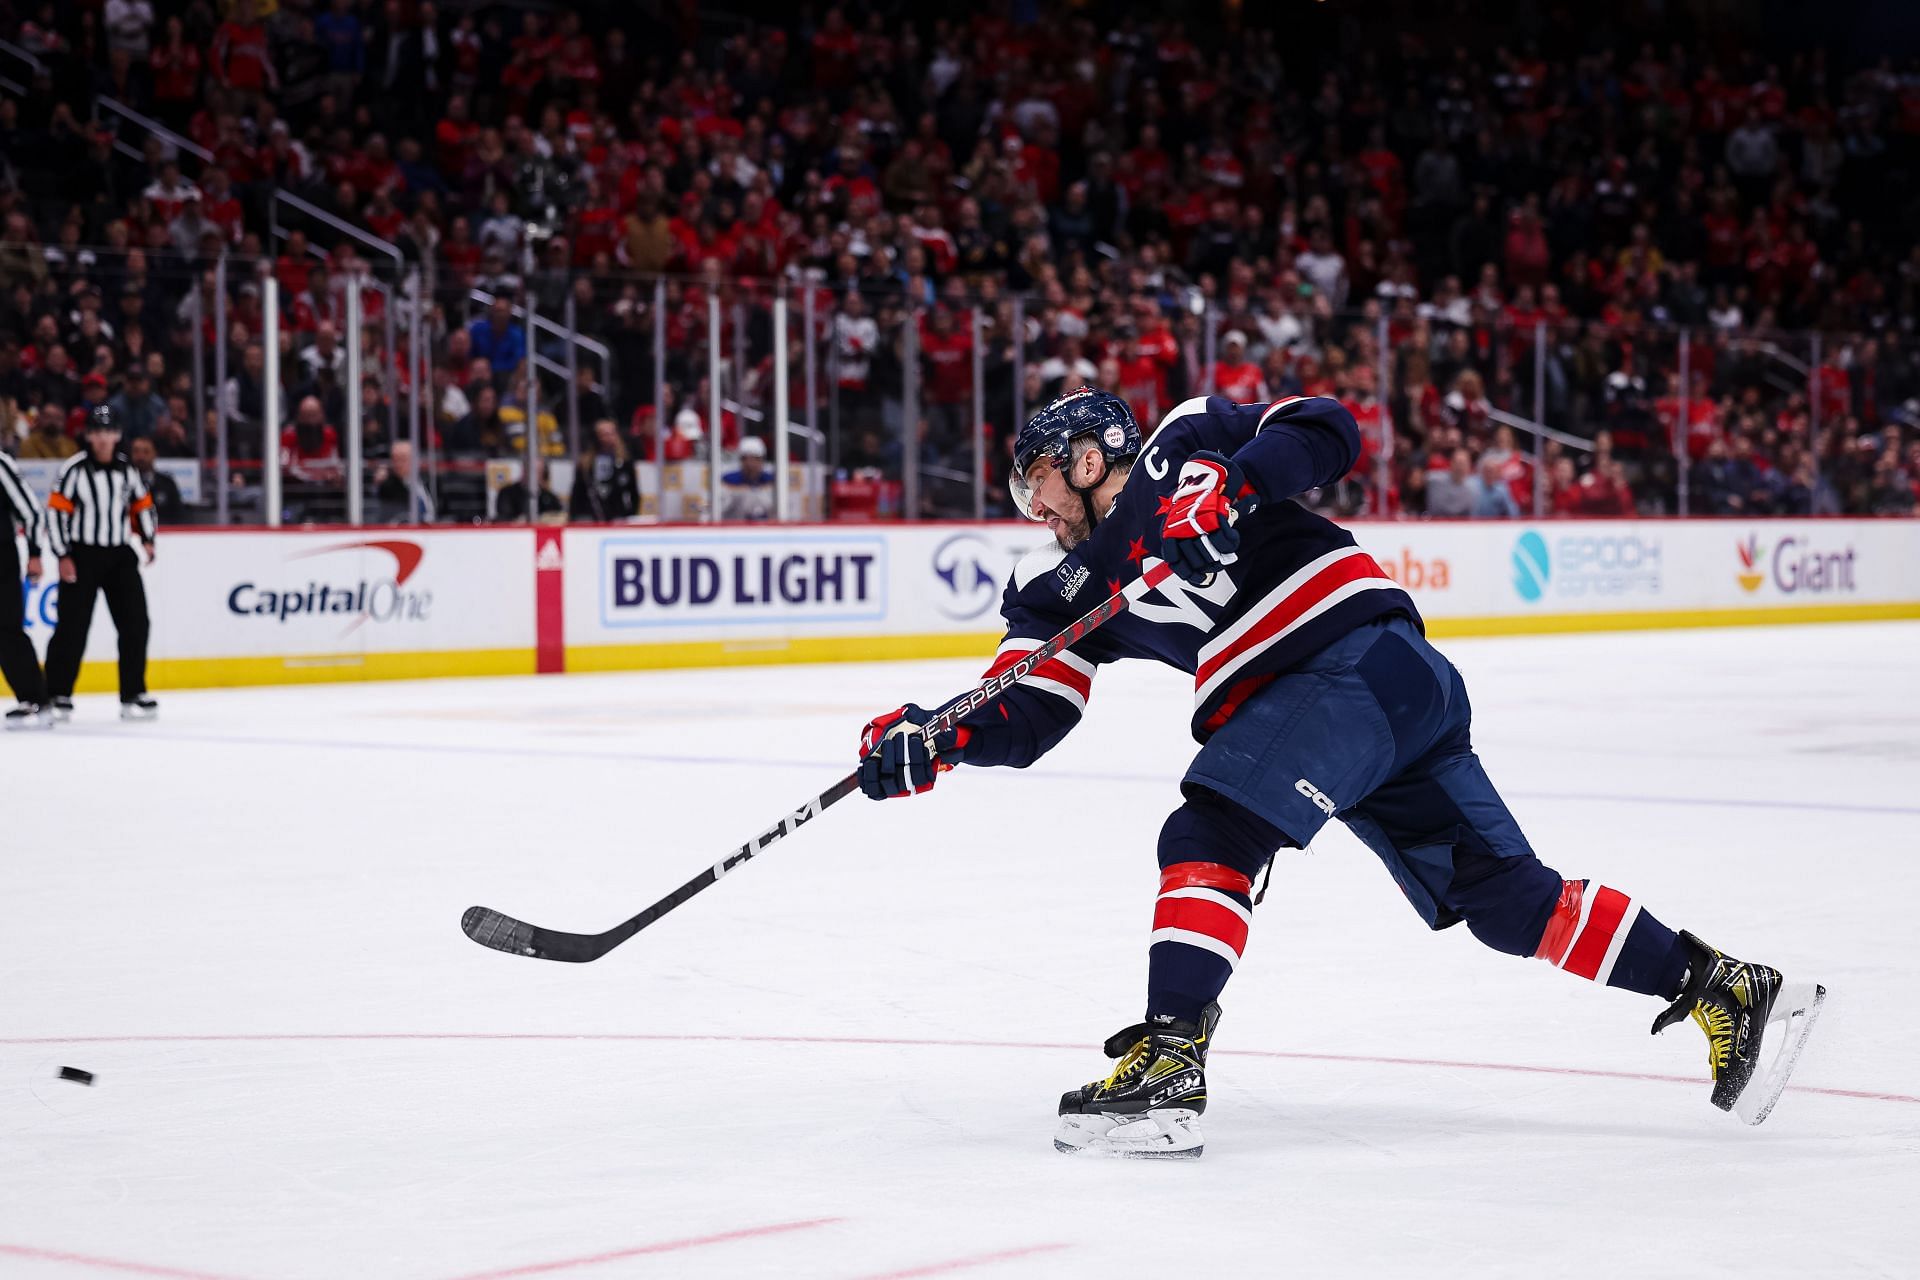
[
  {"x": 1166, "y": 505},
  {"x": 1137, "y": 550},
  {"x": 1114, "y": 585}
]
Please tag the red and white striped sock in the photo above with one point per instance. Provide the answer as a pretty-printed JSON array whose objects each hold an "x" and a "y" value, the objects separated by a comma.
[
  {"x": 1600, "y": 933},
  {"x": 1200, "y": 923}
]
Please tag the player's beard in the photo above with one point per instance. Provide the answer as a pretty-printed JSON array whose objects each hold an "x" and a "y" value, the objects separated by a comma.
[{"x": 1073, "y": 530}]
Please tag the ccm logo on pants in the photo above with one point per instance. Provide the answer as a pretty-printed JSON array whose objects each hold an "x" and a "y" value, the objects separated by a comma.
[{"x": 1321, "y": 800}]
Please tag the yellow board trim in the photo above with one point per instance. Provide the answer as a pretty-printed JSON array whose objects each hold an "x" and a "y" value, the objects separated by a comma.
[
  {"x": 330, "y": 668},
  {"x": 1527, "y": 624},
  {"x": 202, "y": 673},
  {"x": 772, "y": 650}
]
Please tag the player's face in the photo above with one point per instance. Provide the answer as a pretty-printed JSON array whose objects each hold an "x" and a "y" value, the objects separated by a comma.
[{"x": 1056, "y": 503}]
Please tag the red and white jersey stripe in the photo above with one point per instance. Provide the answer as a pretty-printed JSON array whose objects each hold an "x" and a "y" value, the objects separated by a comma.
[
  {"x": 1314, "y": 588},
  {"x": 1065, "y": 675},
  {"x": 1266, "y": 415},
  {"x": 1587, "y": 929}
]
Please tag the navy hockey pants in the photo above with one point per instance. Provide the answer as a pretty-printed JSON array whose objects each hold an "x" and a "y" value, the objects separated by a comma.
[{"x": 1375, "y": 729}]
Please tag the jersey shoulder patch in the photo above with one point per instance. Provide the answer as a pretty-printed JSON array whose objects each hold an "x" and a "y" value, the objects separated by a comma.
[{"x": 1042, "y": 559}]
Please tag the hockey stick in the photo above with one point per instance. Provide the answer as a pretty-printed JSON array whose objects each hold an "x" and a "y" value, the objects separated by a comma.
[{"x": 490, "y": 928}]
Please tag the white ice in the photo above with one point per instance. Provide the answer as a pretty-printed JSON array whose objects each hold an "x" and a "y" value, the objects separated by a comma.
[{"x": 843, "y": 1060}]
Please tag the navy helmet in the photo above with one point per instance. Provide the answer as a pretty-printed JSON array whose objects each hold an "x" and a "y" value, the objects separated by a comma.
[{"x": 1085, "y": 412}]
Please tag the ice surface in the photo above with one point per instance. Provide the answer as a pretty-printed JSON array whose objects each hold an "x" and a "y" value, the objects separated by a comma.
[{"x": 843, "y": 1060}]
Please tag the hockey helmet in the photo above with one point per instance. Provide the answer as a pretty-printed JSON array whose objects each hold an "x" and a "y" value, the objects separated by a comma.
[{"x": 1050, "y": 433}]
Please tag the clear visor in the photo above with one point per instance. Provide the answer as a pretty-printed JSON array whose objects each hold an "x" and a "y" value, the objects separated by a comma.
[{"x": 1023, "y": 483}]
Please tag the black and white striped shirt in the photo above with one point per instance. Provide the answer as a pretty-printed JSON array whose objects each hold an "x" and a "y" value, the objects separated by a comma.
[
  {"x": 17, "y": 506},
  {"x": 95, "y": 504}
]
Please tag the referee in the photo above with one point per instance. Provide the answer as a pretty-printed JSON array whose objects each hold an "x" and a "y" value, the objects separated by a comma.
[
  {"x": 17, "y": 661},
  {"x": 97, "y": 507}
]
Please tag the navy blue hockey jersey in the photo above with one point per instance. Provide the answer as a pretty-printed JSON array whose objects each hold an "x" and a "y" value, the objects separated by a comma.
[{"x": 1299, "y": 583}]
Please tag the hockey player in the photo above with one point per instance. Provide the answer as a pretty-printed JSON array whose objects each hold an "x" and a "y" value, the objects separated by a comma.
[{"x": 1317, "y": 695}]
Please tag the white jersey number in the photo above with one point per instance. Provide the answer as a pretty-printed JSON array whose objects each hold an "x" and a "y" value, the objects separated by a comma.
[{"x": 1184, "y": 599}]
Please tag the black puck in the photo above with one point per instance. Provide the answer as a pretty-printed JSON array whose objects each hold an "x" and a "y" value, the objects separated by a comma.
[{"x": 76, "y": 1075}]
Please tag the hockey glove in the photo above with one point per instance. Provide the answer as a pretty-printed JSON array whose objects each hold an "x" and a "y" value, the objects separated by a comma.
[
  {"x": 894, "y": 759},
  {"x": 1198, "y": 537}
]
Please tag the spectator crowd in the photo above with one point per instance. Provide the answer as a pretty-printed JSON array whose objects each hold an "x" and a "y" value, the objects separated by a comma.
[{"x": 1691, "y": 254}]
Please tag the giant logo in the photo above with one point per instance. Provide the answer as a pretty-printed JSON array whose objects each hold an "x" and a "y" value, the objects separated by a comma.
[
  {"x": 1795, "y": 567},
  {"x": 963, "y": 569},
  {"x": 1577, "y": 566},
  {"x": 354, "y": 595}
]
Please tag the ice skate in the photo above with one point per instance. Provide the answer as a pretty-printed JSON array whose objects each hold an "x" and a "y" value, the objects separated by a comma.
[
  {"x": 139, "y": 707},
  {"x": 61, "y": 709},
  {"x": 1150, "y": 1106},
  {"x": 29, "y": 715},
  {"x": 1756, "y": 1025}
]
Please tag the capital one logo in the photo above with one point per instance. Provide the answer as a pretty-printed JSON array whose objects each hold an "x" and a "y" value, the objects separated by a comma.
[
  {"x": 356, "y": 596},
  {"x": 963, "y": 565}
]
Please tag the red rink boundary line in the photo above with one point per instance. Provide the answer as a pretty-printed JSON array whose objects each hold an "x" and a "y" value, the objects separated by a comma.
[
  {"x": 104, "y": 1264},
  {"x": 1865, "y": 1095},
  {"x": 962, "y": 1264},
  {"x": 666, "y": 1246}
]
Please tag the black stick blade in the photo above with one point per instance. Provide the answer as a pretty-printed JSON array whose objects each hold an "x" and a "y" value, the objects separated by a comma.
[
  {"x": 503, "y": 933},
  {"x": 516, "y": 937}
]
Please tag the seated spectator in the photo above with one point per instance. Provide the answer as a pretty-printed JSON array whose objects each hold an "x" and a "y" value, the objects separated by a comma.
[
  {"x": 49, "y": 438},
  {"x": 498, "y": 338},
  {"x": 1719, "y": 483},
  {"x": 746, "y": 493},
  {"x": 481, "y": 434},
  {"x": 310, "y": 447},
  {"x": 167, "y": 505},
  {"x": 1602, "y": 493},
  {"x": 512, "y": 503},
  {"x": 1450, "y": 493},
  {"x": 1563, "y": 485},
  {"x": 1492, "y": 497},
  {"x": 1234, "y": 376},
  {"x": 399, "y": 497},
  {"x": 137, "y": 408},
  {"x": 605, "y": 485}
]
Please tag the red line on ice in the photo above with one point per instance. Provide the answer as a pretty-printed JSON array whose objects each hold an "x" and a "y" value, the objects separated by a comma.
[
  {"x": 665, "y": 1246},
  {"x": 961, "y": 1264},
  {"x": 1867, "y": 1095},
  {"x": 108, "y": 1264}
]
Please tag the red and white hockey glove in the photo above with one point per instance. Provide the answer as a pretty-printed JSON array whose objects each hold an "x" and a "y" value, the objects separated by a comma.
[
  {"x": 894, "y": 759},
  {"x": 1198, "y": 537}
]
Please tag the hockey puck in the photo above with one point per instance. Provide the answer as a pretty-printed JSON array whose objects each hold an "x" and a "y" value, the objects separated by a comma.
[{"x": 76, "y": 1075}]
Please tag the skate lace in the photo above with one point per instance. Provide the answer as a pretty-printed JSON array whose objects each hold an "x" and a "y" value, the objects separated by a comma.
[
  {"x": 1718, "y": 1024},
  {"x": 1130, "y": 1062}
]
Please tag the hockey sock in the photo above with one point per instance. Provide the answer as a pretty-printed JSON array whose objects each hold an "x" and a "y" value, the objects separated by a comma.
[
  {"x": 1200, "y": 923},
  {"x": 1602, "y": 934}
]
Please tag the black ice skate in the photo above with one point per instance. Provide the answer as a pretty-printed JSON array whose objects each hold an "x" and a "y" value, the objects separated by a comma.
[
  {"x": 62, "y": 709},
  {"x": 29, "y": 715},
  {"x": 1747, "y": 1011},
  {"x": 1150, "y": 1106},
  {"x": 139, "y": 707}
]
